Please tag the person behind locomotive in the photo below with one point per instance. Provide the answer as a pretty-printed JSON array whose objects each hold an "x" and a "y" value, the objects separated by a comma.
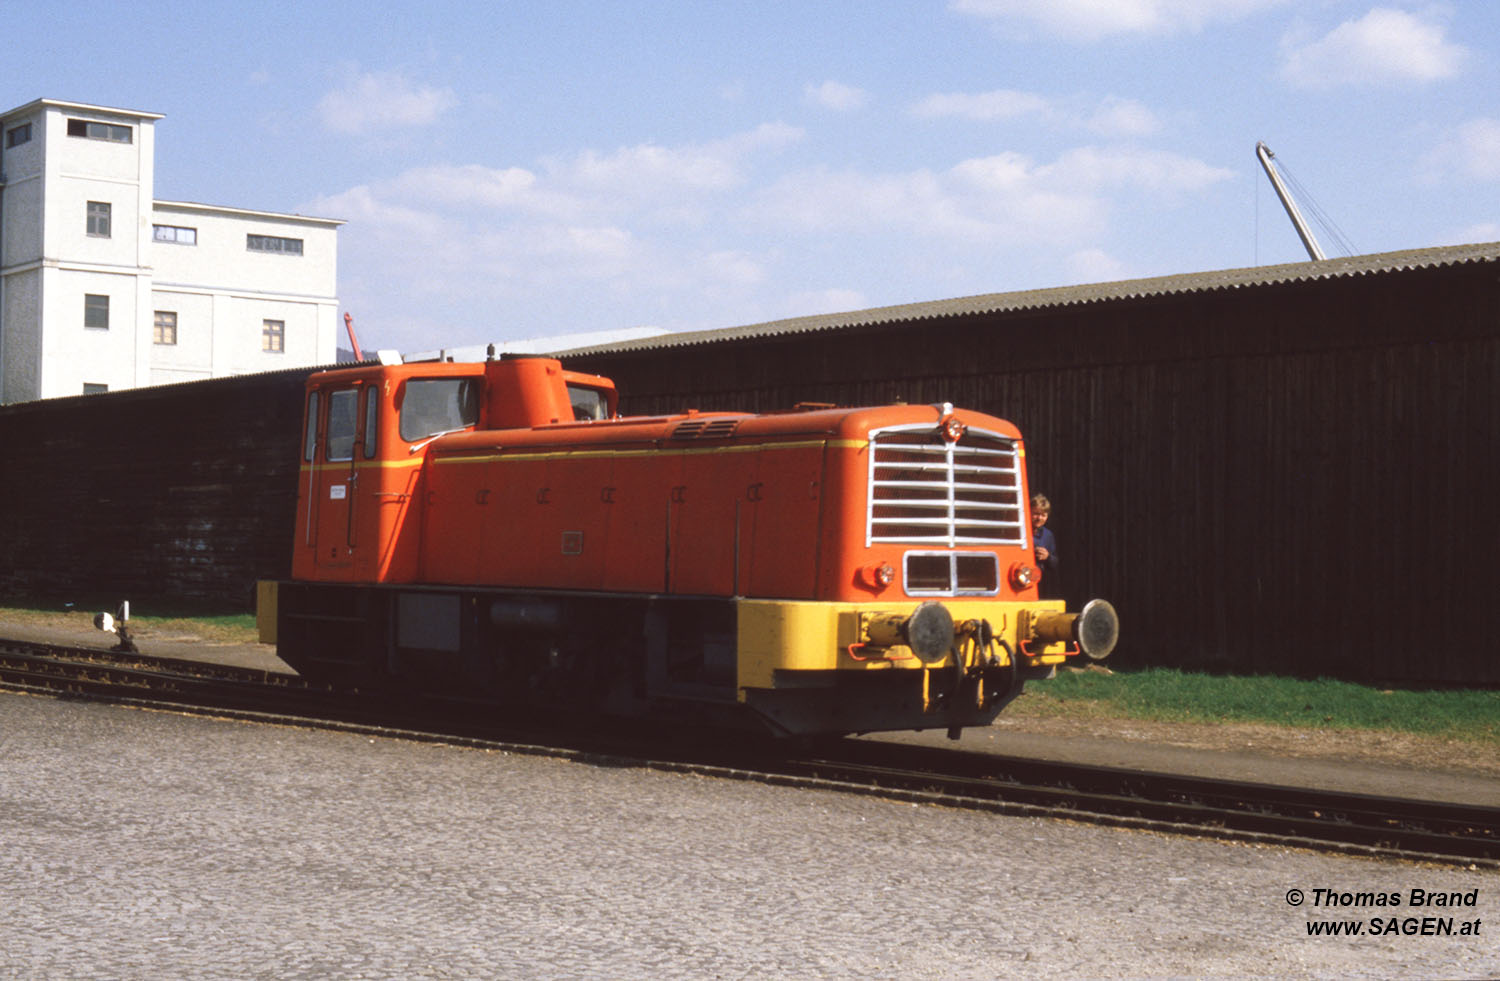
[{"x": 1045, "y": 543}]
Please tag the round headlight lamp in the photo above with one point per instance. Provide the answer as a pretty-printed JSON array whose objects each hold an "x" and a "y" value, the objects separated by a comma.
[
  {"x": 878, "y": 575},
  {"x": 1023, "y": 576}
]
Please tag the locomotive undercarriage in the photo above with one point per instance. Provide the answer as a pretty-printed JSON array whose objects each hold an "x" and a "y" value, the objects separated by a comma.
[{"x": 666, "y": 657}]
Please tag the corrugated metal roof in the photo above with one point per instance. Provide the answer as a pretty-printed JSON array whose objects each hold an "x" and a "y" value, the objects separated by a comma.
[
  {"x": 1062, "y": 296},
  {"x": 159, "y": 389}
]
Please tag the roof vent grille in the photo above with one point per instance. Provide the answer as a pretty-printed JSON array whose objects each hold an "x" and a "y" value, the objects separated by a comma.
[{"x": 706, "y": 429}]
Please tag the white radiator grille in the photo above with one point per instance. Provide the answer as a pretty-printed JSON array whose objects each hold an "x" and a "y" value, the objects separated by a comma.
[{"x": 925, "y": 490}]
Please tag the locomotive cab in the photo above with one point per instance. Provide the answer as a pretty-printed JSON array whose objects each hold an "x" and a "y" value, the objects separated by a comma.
[{"x": 364, "y": 433}]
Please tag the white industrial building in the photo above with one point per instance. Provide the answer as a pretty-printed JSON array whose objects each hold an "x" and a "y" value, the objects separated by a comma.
[{"x": 104, "y": 287}]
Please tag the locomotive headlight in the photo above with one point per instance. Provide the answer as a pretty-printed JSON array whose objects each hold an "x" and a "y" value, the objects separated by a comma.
[
  {"x": 1022, "y": 575},
  {"x": 953, "y": 430},
  {"x": 878, "y": 575}
]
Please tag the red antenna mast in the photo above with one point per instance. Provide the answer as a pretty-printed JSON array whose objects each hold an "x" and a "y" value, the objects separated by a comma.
[{"x": 349, "y": 326}]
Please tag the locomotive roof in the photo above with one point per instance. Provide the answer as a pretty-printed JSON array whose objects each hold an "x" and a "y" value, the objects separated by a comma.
[{"x": 689, "y": 430}]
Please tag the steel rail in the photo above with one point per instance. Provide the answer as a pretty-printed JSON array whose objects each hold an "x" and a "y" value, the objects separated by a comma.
[
  {"x": 1356, "y": 823},
  {"x": 1388, "y": 827}
]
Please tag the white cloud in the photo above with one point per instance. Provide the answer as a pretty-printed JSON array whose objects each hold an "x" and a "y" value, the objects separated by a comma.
[
  {"x": 634, "y": 179},
  {"x": 598, "y": 243},
  {"x": 1383, "y": 46},
  {"x": 1156, "y": 171},
  {"x": 643, "y": 169},
  {"x": 469, "y": 184},
  {"x": 984, "y": 199},
  {"x": 823, "y": 200},
  {"x": 1472, "y": 151},
  {"x": 766, "y": 136},
  {"x": 1090, "y": 20},
  {"x": 836, "y": 96},
  {"x": 708, "y": 233},
  {"x": 1123, "y": 117},
  {"x": 1095, "y": 266},
  {"x": 1112, "y": 116},
  {"x": 734, "y": 267},
  {"x": 1485, "y": 231},
  {"x": 586, "y": 225},
  {"x": 369, "y": 102},
  {"x": 372, "y": 207},
  {"x": 648, "y": 169},
  {"x": 832, "y": 300},
  {"x": 643, "y": 183},
  {"x": 980, "y": 106}
]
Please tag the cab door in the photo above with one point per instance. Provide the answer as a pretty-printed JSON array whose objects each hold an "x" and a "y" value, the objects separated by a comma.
[{"x": 335, "y": 484}]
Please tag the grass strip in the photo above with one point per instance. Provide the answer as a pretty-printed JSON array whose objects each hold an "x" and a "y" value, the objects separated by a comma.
[
  {"x": 221, "y": 628},
  {"x": 1171, "y": 695}
]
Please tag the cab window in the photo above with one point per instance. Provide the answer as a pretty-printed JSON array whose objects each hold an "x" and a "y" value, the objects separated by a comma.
[
  {"x": 588, "y": 403},
  {"x": 438, "y": 405},
  {"x": 342, "y": 407},
  {"x": 372, "y": 407},
  {"x": 310, "y": 440}
]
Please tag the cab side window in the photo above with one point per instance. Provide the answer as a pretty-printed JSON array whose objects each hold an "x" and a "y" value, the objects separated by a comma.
[
  {"x": 342, "y": 408},
  {"x": 372, "y": 418},
  {"x": 310, "y": 440}
]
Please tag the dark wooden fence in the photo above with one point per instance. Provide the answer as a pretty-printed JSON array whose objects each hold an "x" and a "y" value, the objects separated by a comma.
[
  {"x": 1295, "y": 478},
  {"x": 173, "y": 497}
]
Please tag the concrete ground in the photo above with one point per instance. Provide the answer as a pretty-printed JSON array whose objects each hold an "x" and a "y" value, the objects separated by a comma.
[{"x": 144, "y": 844}]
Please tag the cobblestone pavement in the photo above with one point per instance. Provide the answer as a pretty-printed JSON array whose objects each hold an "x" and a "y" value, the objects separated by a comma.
[{"x": 149, "y": 845}]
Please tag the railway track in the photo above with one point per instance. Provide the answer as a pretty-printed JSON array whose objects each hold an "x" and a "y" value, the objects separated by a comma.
[{"x": 1351, "y": 823}]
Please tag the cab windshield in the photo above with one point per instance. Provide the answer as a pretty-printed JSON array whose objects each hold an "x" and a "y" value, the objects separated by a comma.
[{"x": 438, "y": 405}]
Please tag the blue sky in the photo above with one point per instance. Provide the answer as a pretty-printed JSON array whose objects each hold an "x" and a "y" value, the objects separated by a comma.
[{"x": 527, "y": 169}]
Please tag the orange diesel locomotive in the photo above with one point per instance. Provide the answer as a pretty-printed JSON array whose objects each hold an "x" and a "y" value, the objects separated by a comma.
[{"x": 496, "y": 530}]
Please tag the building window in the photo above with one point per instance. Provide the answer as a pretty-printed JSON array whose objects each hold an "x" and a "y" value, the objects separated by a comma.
[
  {"x": 94, "y": 388},
  {"x": 273, "y": 336},
  {"x": 21, "y": 134},
  {"x": 174, "y": 233},
  {"x": 270, "y": 243},
  {"x": 88, "y": 129},
  {"x": 99, "y": 219},
  {"x": 164, "y": 330},
  {"x": 96, "y": 311}
]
